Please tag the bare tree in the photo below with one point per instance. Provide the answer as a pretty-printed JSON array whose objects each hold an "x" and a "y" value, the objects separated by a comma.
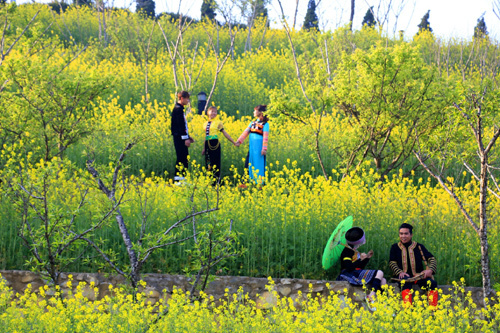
[
  {"x": 295, "y": 15},
  {"x": 226, "y": 8},
  {"x": 318, "y": 115},
  {"x": 475, "y": 116},
  {"x": 398, "y": 10},
  {"x": 384, "y": 8},
  {"x": 175, "y": 49},
  {"x": 211, "y": 248},
  {"x": 351, "y": 17},
  {"x": 7, "y": 131},
  {"x": 250, "y": 22},
  {"x": 4, "y": 50},
  {"x": 496, "y": 8},
  {"x": 146, "y": 62},
  {"x": 220, "y": 62},
  {"x": 48, "y": 226},
  {"x": 189, "y": 74},
  {"x": 101, "y": 15},
  {"x": 139, "y": 250}
]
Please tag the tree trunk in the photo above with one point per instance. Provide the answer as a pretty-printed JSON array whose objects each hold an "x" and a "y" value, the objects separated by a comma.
[
  {"x": 318, "y": 152},
  {"x": 483, "y": 227},
  {"x": 132, "y": 255},
  {"x": 351, "y": 18},
  {"x": 295, "y": 15}
]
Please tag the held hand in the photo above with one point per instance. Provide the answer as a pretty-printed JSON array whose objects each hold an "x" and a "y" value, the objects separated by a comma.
[
  {"x": 191, "y": 139},
  {"x": 369, "y": 254},
  {"x": 263, "y": 152},
  {"x": 363, "y": 256},
  {"x": 187, "y": 142},
  {"x": 403, "y": 275},
  {"x": 427, "y": 273},
  {"x": 237, "y": 143},
  {"x": 203, "y": 152}
]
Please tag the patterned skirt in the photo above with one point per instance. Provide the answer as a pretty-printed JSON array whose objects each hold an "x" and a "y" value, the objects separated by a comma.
[{"x": 356, "y": 277}]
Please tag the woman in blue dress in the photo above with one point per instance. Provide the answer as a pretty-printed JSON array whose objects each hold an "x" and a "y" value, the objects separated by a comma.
[{"x": 258, "y": 130}]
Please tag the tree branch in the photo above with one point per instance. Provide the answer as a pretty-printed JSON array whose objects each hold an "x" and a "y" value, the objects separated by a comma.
[
  {"x": 104, "y": 256},
  {"x": 450, "y": 192},
  {"x": 477, "y": 178},
  {"x": 4, "y": 55}
]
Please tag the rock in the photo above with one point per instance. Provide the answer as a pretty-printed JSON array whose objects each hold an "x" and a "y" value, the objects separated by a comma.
[
  {"x": 104, "y": 290},
  {"x": 27, "y": 278},
  {"x": 150, "y": 301},
  {"x": 285, "y": 291},
  {"x": 343, "y": 302},
  {"x": 358, "y": 296},
  {"x": 50, "y": 292},
  {"x": 297, "y": 299},
  {"x": 266, "y": 301},
  {"x": 152, "y": 293},
  {"x": 89, "y": 293},
  {"x": 160, "y": 286},
  {"x": 318, "y": 289},
  {"x": 340, "y": 287},
  {"x": 93, "y": 279},
  {"x": 79, "y": 277}
]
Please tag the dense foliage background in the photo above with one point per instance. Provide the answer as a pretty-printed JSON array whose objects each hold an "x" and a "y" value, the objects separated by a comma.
[{"x": 81, "y": 84}]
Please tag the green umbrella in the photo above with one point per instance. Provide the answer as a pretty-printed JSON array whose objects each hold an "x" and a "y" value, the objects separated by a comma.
[{"x": 336, "y": 243}]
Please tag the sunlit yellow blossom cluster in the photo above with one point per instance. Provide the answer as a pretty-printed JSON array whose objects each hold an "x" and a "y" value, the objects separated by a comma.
[{"x": 36, "y": 311}]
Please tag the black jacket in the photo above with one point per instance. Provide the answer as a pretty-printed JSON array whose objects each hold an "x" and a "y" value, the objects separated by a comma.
[
  {"x": 350, "y": 262},
  {"x": 178, "y": 126},
  {"x": 408, "y": 258}
]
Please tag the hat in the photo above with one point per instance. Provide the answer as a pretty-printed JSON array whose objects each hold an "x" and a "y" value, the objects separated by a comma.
[{"x": 355, "y": 236}]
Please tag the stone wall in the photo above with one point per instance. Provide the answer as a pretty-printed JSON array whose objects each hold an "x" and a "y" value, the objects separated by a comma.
[{"x": 161, "y": 286}]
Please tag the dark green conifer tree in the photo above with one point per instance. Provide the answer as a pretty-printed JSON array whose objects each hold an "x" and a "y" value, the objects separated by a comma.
[
  {"x": 58, "y": 6},
  {"x": 146, "y": 6},
  {"x": 424, "y": 24},
  {"x": 208, "y": 10},
  {"x": 82, "y": 2},
  {"x": 369, "y": 19},
  {"x": 260, "y": 9},
  {"x": 311, "y": 19},
  {"x": 480, "y": 30}
]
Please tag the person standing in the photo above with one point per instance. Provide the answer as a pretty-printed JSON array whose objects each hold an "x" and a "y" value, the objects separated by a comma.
[
  {"x": 212, "y": 149},
  {"x": 407, "y": 259},
  {"x": 180, "y": 133},
  {"x": 258, "y": 130}
]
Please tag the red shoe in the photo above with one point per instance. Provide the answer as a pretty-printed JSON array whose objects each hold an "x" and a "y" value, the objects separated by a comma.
[
  {"x": 407, "y": 297},
  {"x": 432, "y": 298}
]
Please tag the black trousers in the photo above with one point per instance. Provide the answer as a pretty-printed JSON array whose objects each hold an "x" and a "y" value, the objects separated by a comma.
[
  {"x": 182, "y": 153},
  {"x": 213, "y": 157}
]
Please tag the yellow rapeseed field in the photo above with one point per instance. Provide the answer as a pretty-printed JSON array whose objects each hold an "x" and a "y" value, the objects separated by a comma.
[{"x": 47, "y": 310}]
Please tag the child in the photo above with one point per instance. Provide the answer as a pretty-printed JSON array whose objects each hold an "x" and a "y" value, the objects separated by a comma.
[{"x": 212, "y": 150}]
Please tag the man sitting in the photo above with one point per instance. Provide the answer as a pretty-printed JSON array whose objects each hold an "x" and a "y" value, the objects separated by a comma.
[{"x": 406, "y": 261}]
